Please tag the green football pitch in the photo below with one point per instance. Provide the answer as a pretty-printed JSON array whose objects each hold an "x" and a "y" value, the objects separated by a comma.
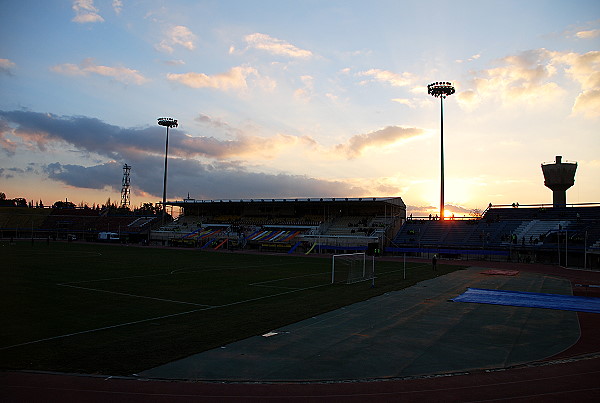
[{"x": 112, "y": 309}]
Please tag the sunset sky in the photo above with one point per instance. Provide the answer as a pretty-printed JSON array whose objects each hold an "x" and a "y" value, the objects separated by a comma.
[{"x": 306, "y": 98}]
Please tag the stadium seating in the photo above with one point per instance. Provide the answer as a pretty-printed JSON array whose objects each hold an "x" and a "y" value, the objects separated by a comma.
[
  {"x": 530, "y": 231},
  {"x": 85, "y": 223}
]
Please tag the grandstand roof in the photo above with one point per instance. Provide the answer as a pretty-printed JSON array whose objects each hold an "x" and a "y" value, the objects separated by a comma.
[{"x": 397, "y": 201}]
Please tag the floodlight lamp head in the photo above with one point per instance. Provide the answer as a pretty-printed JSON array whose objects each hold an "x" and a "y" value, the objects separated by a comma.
[
  {"x": 168, "y": 122},
  {"x": 440, "y": 89}
]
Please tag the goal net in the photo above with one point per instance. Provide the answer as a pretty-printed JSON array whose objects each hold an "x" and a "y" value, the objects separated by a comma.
[{"x": 351, "y": 268}]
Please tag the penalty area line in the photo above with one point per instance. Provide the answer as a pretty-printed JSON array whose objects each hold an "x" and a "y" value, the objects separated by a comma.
[
  {"x": 136, "y": 296},
  {"x": 264, "y": 283},
  {"x": 158, "y": 318}
]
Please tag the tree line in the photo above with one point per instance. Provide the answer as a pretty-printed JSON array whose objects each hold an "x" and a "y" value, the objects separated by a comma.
[{"x": 143, "y": 209}]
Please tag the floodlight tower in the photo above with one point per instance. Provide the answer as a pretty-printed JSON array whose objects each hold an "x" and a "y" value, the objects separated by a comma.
[
  {"x": 441, "y": 90},
  {"x": 125, "y": 202},
  {"x": 167, "y": 122}
]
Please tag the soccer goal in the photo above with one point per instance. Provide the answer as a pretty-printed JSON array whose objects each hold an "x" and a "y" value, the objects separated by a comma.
[{"x": 351, "y": 268}]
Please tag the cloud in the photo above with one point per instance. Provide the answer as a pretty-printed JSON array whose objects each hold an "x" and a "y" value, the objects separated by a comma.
[
  {"x": 6, "y": 144},
  {"x": 468, "y": 99},
  {"x": 590, "y": 34},
  {"x": 85, "y": 12},
  {"x": 143, "y": 149},
  {"x": 117, "y": 6},
  {"x": 217, "y": 123},
  {"x": 588, "y": 103},
  {"x": 6, "y": 66},
  {"x": 95, "y": 177},
  {"x": 241, "y": 146},
  {"x": 275, "y": 46},
  {"x": 412, "y": 103},
  {"x": 533, "y": 76},
  {"x": 40, "y": 131},
  {"x": 177, "y": 35},
  {"x": 404, "y": 101},
  {"x": 388, "y": 77},
  {"x": 525, "y": 76},
  {"x": 470, "y": 59},
  {"x": 379, "y": 138},
  {"x": 306, "y": 91},
  {"x": 10, "y": 172},
  {"x": 585, "y": 70},
  {"x": 234, "y": 79},
  {"x": 88, "y": 66},
  {"x": 522, "y": 77},
  {"x": 174, "y": 62},
  {"x": 200, "y": 180}
]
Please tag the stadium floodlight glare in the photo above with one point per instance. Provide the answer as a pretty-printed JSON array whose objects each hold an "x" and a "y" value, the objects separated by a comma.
[
  {"x": 441, "y": 90},
  {"x": 167, "y": 122}
]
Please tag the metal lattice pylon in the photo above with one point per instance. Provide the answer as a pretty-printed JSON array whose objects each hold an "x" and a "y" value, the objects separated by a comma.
[{"x": 125, "y": 202}]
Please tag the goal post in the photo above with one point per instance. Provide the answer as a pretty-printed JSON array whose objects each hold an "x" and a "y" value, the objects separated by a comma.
[{"x": 348, "y": 268}]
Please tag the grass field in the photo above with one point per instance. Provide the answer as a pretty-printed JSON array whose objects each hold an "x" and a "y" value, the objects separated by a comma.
[{"x": 111, "y": 309}]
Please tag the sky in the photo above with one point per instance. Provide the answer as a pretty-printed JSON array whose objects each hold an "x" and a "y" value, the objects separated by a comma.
[{"x": 306, "y": 98}]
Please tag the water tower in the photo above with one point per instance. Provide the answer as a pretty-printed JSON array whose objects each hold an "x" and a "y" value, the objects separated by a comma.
[{"x": 559, "y": 177}]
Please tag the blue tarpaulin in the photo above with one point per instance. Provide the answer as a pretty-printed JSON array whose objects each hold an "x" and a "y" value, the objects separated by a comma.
[{"x": 530, "y": 299}]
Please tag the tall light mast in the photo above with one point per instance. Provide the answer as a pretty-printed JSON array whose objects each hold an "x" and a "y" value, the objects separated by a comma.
[
  {"x": 167, "y": 122},
  {"x": 441, "y": 90}
]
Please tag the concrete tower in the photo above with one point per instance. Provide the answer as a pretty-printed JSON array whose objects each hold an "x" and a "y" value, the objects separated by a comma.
[{"x": 559, "y": 177}]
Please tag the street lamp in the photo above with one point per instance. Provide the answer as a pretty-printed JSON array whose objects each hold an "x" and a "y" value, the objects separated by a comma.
[
  {"x": 167, "y": 122},
  {"x": 441, "y": 90}
]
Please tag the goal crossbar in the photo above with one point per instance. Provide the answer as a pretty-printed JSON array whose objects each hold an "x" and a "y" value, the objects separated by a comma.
[{"x": 351, "y": 268}]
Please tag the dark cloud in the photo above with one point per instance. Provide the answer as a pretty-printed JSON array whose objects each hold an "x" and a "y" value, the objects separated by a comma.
[
  {"x": 84, "y": 133},
  {"x": 94, "y": 177},
  {"x": 93, "y": 135},
  {"x": 206, "y": 181},
  {"x": 200, "y": 180},
  {"x": 143, "y": 149},
  {"x": 11, "y": 172}
]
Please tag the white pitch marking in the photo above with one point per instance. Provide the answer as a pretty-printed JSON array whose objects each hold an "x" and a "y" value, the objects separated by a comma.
[
  {"x": 102, "y": 328},
  {"x": 206, "y": 308},
  {"x": 134, "y": 295}
]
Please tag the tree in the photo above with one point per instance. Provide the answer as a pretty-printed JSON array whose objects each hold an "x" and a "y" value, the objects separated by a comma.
[
  {"x": 2, "y": 196},
  {"x": 475, "y": 213},
  {"x": 148, "y": 208},
  {"x": 63, "y": 204}
]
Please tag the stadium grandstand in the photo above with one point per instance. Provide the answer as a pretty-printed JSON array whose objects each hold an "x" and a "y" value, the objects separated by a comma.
[
  {"x": 557, "y": 233},
  {"x": 73, "y": 223},
  {"x": 565, "y": 235},
  {"x": 568, "y": 235},
  {"x": 285, "y": 225}
]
